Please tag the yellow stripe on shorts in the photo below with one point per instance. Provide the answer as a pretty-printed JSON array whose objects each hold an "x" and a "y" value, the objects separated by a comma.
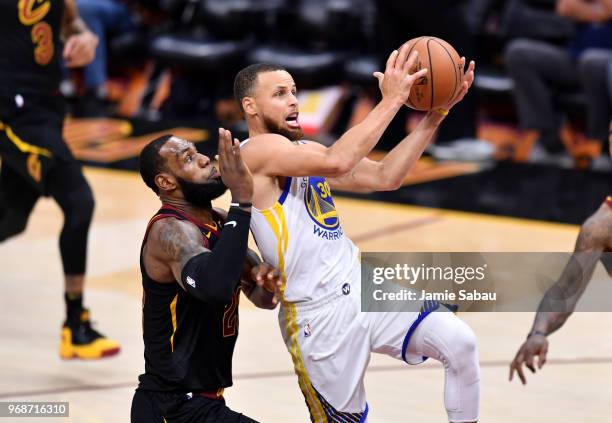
[
  {"x": 273, "y": 216},
  {"x": 23, "y": 146}
]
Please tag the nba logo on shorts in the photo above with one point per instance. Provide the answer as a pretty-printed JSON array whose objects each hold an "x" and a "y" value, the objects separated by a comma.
[
  {"x": 346, "y": 288},
  {"x": 307, "y": 330}
]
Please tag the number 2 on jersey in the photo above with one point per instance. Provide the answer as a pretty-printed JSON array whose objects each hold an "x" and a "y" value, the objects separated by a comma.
[{"x": 230, "y": 317}]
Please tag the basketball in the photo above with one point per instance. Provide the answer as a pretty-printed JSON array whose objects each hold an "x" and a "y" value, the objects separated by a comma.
[{"x": 444, "y": 75}]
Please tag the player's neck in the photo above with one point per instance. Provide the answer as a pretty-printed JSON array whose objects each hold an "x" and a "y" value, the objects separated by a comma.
[
  {"x": 201, "y": 214},
  {"x": 254, "y": 133},
  {"x": 256, "y": 128}
]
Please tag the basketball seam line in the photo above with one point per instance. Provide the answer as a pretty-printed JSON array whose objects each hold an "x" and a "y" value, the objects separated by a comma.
[
  {"x": 454, "y": 70},
  {"x": 431, "y": 77},
  {"x": 410, "y": 51}
]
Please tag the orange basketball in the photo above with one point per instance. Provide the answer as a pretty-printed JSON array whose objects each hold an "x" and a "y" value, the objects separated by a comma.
[{"x": 444, "y": 75}]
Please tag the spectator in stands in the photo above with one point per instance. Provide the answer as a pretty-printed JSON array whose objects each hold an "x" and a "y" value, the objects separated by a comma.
[
  {"x": 540, "y": 69},
  {"x": 399, "y": 21},
  {"x": 104, "y": 17}
]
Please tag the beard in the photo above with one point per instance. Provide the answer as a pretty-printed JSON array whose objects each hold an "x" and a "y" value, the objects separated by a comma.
[
  {"x": 279, "y": 129},
  {"x": 201, "y": 194}
]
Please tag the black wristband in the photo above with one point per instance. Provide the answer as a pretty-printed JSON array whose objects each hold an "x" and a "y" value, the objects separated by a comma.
[
  {"x": 237, "y": 211},
  {"x": 536, "y": 332}
]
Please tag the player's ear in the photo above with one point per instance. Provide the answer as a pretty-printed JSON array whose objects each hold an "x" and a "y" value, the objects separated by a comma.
[
  {"x": 165, "y": 182},
  {"x": 249, "y": 106}
]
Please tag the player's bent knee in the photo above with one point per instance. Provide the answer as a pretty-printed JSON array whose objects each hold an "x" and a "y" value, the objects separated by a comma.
[
  {"x": 451, "y": 341},
  {"x": 465, "y": 348},
  {"x": 79, "y": 206},
  {"x": 463, "y": 401}
]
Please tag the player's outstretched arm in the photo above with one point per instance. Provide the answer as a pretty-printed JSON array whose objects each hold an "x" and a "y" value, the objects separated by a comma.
[
  {"x": 594, "y": 236},
  {"x": 261, "y": 282},
  {"x": 389, "y": 173},
  {"x": 274, "y": 155}
]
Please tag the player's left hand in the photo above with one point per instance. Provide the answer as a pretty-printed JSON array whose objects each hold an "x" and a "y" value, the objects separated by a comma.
[
  {"x": 269, "y": 278},
  {"x": 80, "y": 49},
  {"x": 535, "y": 345},
  {"x": 466, "y": 83}
]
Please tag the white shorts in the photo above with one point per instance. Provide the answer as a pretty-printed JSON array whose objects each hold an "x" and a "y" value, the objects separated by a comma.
[{"x": 330, "y": 341}]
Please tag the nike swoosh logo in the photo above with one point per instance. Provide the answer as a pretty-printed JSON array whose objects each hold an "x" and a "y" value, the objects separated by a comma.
[{"x": 231, "y": 223}]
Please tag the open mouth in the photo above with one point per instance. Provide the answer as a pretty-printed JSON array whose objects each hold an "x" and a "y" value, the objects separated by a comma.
[
  {"x": 214, "y": 173},
  {"x": 292, "y": 121}
]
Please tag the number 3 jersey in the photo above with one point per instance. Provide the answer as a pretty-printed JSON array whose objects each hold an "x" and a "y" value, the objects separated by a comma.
[
  {"x": 30, "y": 45},
  {"x": 302, "y": 236},
  {"x": 188, "y": 343}
]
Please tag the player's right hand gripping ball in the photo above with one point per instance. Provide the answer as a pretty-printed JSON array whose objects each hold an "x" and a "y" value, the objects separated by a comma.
[{"x": 443, "y": 79}]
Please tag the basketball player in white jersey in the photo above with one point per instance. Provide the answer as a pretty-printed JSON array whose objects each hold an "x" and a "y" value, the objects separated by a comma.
[{"x": 297, "y": 229}]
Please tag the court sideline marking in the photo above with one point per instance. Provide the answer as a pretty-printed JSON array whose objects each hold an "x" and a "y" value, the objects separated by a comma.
[{"x": 291, "y": 374}]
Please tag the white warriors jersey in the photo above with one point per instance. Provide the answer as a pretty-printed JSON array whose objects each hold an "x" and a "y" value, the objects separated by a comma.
[{"x": 301, "y": 235}]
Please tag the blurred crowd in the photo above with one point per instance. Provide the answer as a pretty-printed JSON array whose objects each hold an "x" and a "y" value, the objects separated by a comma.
[{"x": 543, "y": 66}]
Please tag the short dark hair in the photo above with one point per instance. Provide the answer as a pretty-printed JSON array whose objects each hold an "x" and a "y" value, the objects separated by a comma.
[
  {"x": 151, "y": 163},
  {"x": 245, "y": 79}
]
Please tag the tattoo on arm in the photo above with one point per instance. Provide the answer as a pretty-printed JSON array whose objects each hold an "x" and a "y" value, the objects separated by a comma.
[{"x": 561, "y": 298}]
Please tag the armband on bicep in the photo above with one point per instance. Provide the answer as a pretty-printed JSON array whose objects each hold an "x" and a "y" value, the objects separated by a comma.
[
  {"x": 207, "y": 281},
  {"x": 193, "y": 275}
]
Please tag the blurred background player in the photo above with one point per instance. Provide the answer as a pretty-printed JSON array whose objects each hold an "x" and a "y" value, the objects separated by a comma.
[
  {"x": 103, "y": 18},
  {"x": 594, "y": 239},
  {"x": 35, "y": 159},
  {"x": 540, "y": 69},
  {"x": 297, "y": 229},
  {"x": 191, "y": 262}
]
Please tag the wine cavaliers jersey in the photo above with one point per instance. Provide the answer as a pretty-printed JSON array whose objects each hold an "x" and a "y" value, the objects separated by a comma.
[
  {"x": 188, "y": 343},
  {"x": 30, "y": 46}
]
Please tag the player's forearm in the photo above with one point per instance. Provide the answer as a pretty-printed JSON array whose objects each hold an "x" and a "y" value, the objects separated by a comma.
[
  {"x": 358, "y": 141},
  {"x": 561, "y": 298},
  {"x": 74, "y": 27},
  {"x": 262, "y": 298},
  {"x": 548, "y": 322},
  {"x": 72, "y": 23},
  {"x": 398, "y": 162},
  {"x": 213, "y": 276}
]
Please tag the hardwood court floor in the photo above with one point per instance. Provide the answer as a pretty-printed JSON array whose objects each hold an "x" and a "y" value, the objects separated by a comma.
[{"x": 573, "y": 387}]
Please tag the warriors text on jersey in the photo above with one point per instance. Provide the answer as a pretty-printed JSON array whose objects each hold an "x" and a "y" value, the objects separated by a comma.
[{"x": 301, "y": 235}]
